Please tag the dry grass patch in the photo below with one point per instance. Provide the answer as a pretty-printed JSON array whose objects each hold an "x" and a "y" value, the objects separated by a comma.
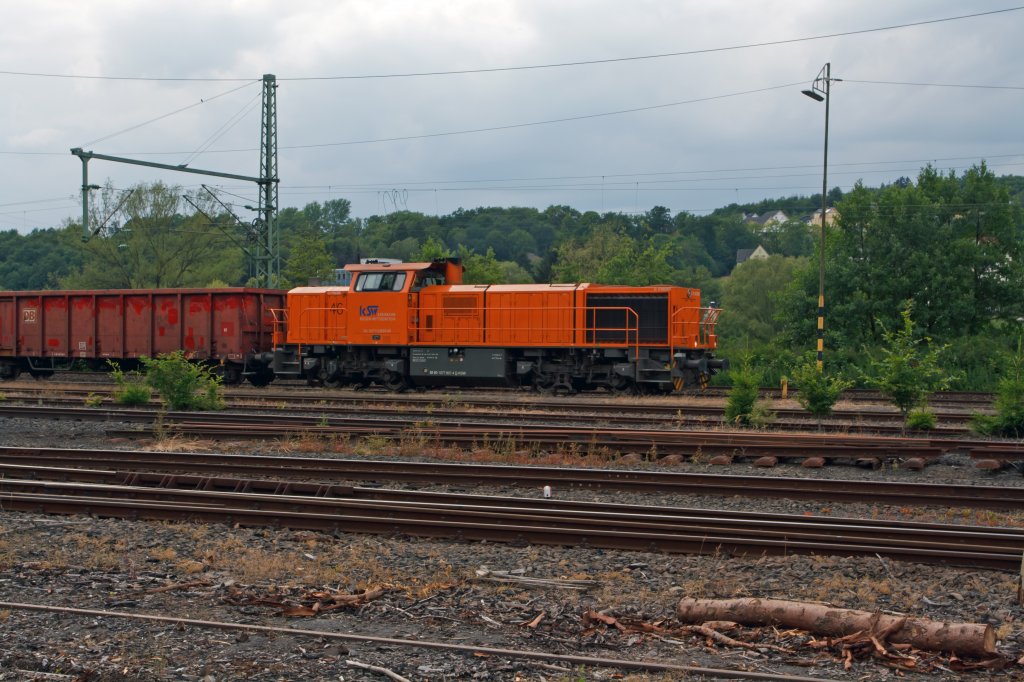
[
  {"x": 179, "y": 443},
  {"x": 310, "y": 442},
  {"x": 104, "y": 553},
  {"x": 164, "y": 554}
]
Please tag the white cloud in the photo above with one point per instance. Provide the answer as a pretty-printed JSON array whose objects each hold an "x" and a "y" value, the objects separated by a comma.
[{"x": 776, "y": 130}]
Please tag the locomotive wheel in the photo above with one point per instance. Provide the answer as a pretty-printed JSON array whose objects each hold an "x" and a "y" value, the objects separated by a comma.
[
  {"x": 621, "y": 385},
  {"x": 395, "y": 382},
  {"x": 544, "y": 383}
]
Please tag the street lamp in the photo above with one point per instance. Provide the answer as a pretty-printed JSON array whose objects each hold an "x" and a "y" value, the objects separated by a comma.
[{"x": 819, "y": 91}]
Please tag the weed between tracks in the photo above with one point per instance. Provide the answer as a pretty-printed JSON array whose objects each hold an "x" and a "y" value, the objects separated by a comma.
[
  {"x": 256, "y": 557},
  {"x": 424, "y": 441}
]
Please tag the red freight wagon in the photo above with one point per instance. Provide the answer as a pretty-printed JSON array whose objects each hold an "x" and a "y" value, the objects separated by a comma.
[{"x": 41, "y": 331}]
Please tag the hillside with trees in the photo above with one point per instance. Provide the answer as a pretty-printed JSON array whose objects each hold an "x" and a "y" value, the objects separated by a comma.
[{"x": 946, "y": 247}]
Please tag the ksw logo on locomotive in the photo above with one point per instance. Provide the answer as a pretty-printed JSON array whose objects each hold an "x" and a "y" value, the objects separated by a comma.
[{"x": 368, "y": 310}]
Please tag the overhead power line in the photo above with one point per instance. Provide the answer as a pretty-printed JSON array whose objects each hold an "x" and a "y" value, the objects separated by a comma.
[
  {"x": 167, "y": 115},
  {"x": 532, "y": 67},
  {"x": 664, "y": 55},
  {"x": 513, "y": 126},
  {"x": 937, "y": 85}
]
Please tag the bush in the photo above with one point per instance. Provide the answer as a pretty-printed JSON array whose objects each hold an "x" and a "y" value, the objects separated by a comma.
[
  {"x": 130, "y": 389},
  {"x": 762, "y": 415},
  {"x": 817, "y": 392},
  {"x": 921, "y": 419},
  {"x": 183, "y": 385},
  {"x": 1008, "y": 421},
  {"x": 743, "y": 395},
  {"x": 909, "y": 370}
]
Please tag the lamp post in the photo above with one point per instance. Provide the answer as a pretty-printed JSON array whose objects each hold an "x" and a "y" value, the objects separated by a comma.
[{"x": 819, "y": 91}]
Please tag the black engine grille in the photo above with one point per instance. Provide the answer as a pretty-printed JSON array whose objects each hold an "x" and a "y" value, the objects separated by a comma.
[{"x": 607, "y": 326}]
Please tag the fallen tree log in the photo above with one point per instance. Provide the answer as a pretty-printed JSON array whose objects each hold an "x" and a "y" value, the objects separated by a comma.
[{"x": 972, "y": 639}]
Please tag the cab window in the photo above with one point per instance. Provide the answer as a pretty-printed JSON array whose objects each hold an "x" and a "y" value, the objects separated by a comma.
[
  {"x": 427, "y": 278},
  {"x": 381, "y": 281}
]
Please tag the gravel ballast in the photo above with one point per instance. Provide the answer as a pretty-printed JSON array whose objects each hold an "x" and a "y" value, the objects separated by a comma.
[{"x": 536, "y": 598}]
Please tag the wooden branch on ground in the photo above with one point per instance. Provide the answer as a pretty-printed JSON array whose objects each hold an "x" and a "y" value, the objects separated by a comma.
[{"x": 973, "y": 639}]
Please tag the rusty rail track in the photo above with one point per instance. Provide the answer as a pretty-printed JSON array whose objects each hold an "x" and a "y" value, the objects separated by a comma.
[
  {"x": 545, "y": 656},
  {"x": 237, "y": 426},
  {"x": 285, "y": 389},
  {"x": 521, "y": 405},
  {"x": 209, "y": 471},
  {"x": 537, "y": 521},
  {"x": 589, "y": 438}
]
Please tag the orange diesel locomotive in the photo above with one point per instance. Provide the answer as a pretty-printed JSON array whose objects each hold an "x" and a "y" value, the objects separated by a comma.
[{"x": 416, "y": 324}]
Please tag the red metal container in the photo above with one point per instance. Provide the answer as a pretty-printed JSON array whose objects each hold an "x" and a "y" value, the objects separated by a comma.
[{"x": 230, "y": 325}]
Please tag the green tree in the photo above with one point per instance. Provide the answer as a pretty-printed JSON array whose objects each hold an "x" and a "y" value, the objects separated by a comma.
[
  {"x": 480, "y": 269},
  {"x": 580, "y": 260},
  {"x": 753, "y": 298},
  {"x": 147, "y": 243},
  {"x": 791, "y": 238},
  {"x": 909, "y": 369},
  {"x": 308, "y": 260},
  {"x": 39, "y": 259},
  {"x": 432, "y": 249},
  {"x": 952, "y": 246}
]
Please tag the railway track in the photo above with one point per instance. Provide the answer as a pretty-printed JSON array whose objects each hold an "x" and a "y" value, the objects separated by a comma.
[
  {"x": 97, "y": 381},
  {"x": 534, "y": 521},
  {"x": 320, "y": 477},
  {"x": 499, "y": 434},
  {"x": 513, "y": 403}
]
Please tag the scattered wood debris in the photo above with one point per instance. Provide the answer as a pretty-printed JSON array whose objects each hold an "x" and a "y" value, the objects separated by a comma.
[
  {"x": 309, "y": 603},
  {"x": 486, "y": 574}
]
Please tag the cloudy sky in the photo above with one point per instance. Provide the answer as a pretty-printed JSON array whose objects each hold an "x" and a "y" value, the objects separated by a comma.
[{"x": 433, "y": 105}]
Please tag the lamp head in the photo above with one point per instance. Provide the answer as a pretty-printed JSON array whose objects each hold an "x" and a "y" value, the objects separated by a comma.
[{"x": 814, "y": 94}]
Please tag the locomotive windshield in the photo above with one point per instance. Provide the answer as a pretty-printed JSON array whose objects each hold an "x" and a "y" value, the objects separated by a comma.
[{"x": 381, "y": 281}]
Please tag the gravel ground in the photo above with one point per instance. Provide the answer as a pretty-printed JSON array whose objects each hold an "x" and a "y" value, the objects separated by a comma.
[{"x": 446, "y": 591}]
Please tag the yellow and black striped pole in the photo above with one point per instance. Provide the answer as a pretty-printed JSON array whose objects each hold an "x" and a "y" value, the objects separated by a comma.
[
  {"x": 821, "y": 331},
  {"x": 820, "y": 90}
]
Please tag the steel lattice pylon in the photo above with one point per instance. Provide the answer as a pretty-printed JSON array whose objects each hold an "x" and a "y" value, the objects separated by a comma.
[
  {"x": 263, "y": 246},
  {"x": 268, "y": 252}
]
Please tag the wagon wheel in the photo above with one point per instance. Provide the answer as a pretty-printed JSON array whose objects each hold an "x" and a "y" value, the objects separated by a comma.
[
  {"x": 12, "y": 373},
  {"x": 231, "y": 376},
  {"x": 395, "y": 382},
  {"x": 38, "y": 374}
]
